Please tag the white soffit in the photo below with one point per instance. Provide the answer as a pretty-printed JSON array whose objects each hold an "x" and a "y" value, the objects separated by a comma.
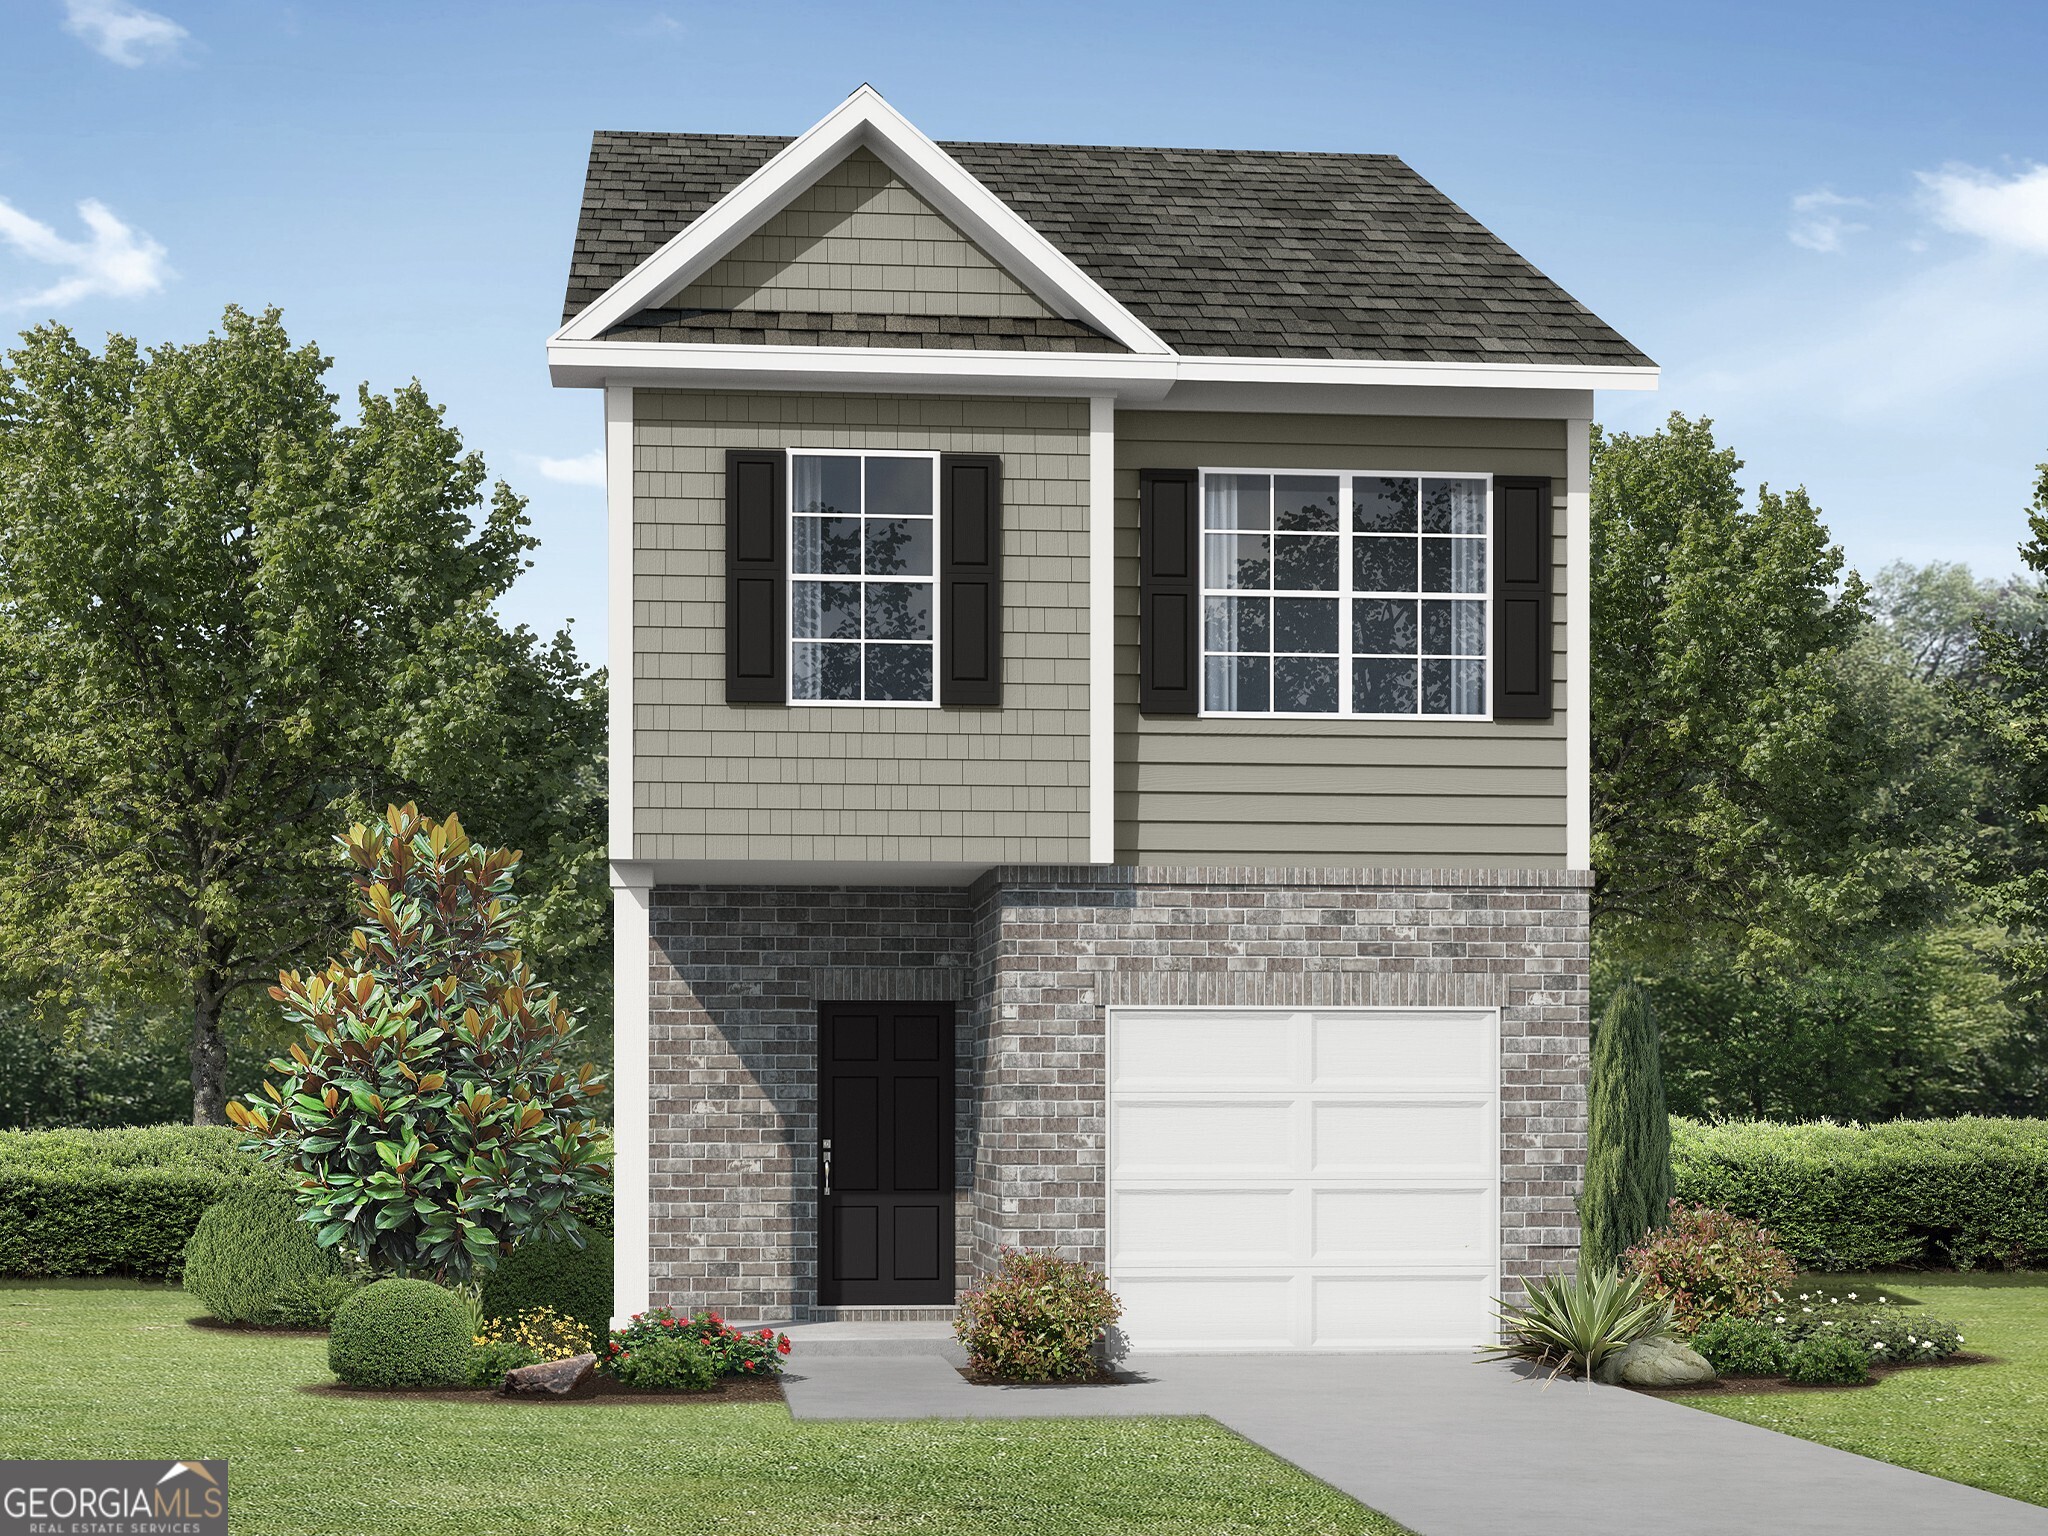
[{"x": 865, "y": 120}]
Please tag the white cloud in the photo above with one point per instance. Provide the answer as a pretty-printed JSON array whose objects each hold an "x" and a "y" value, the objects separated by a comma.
[
  {"x": 1818, "y": 223},
  {"x": 2007, "y": 212},
  {"x": 584, "y": 469},
  {"x": 124, "y": 32},
  {"x": 117, "y": 261}
]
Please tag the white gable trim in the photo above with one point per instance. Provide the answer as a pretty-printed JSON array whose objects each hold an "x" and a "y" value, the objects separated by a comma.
[{"x": 864, "y": 120}]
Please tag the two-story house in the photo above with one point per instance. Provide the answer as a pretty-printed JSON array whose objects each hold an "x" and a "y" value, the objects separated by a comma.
[{"x": 1099, "y": 738}]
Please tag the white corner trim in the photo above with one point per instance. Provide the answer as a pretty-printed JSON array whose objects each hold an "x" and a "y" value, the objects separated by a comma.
[
  {"x": 1102, "y": 630},
  {"x": 865, "y": 120},
  {"x": 1578, "y": 645},
  {"x": 618, "y": 504},
  {"x": 632, "y": 1122}
]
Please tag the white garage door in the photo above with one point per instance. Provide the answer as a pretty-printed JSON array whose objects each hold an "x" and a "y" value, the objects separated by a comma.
[{"x": 1304, "y": 1179}]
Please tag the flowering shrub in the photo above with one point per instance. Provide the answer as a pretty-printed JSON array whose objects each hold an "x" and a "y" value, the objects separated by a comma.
[
  {"x": 542, "y": 1331},
  {"x": 1708, "y": 1263},
  {"x": 731, "y": 1352},
  {"x": 1892, "y": 1335},
  {"x": 667, "y": 1365},
  {"x": 1039, "y": 1317}
]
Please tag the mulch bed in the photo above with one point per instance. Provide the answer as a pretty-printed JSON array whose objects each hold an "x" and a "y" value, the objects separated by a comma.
[
  {"x": 1099, "y": 1379},
  {"x": 1766, "y": 1386},
  {"x": 603, "y": 1390},
  {"x": 217, "y": 1325}
]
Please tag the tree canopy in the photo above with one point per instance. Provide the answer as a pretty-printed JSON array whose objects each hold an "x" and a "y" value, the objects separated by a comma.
[{"x": 232, "y": 622}]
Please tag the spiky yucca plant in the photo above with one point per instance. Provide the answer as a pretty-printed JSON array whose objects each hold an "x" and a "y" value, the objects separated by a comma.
[
  {"x": 428, "y": 1120},
  {"x": 1574, "y": 1322}
]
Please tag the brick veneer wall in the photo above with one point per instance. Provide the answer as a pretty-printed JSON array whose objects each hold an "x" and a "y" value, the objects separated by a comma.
[
  {"x": 1056, "y": 947},
  {"x": 1033, "y": 957}
]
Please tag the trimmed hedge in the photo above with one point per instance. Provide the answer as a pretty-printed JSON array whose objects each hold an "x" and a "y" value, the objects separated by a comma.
[
  {"x": 1931, "y": 1194},
  {"x": 251, "y": 1260},
  {"x": 401, "y": 1333},
  {"x": 78, "y": 1202}
]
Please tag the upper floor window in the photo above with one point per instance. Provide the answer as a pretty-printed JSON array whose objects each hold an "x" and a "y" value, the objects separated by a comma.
[
  {"x": 862, "y": 600},
  {"x": 1345, "y": 594}
]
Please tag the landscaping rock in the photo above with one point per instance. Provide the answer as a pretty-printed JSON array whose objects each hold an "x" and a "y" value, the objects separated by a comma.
[
  {"x": 1658, "y": 1362},
  {"x": 552, "y": 1378}
]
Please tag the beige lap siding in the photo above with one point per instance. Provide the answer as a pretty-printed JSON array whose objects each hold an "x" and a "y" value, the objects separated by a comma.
[
  {"x": 758, "y": 781},
  {"x": 1421, "y": 794}
]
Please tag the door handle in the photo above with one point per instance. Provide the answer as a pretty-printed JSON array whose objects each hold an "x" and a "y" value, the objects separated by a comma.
[{"x": 828, "y": 1165}]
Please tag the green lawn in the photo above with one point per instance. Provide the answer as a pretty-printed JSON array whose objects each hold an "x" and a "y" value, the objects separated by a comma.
[
  {"x": 1981, "y": 1424},
  {"x": 105, "y": 1369}
]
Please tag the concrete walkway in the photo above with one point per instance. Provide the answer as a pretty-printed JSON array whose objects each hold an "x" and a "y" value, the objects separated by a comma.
[{"x": 1451, "y": 1447}]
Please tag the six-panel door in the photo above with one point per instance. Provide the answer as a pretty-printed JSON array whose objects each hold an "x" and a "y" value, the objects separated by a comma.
[{"x": 885, "y": 1131}]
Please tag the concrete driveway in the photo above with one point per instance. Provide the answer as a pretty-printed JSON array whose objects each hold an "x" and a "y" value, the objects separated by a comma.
[{"x": 1451, "y": 1447}]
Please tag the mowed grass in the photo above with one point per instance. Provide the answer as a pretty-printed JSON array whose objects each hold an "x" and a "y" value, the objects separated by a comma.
[
  {"x": 1986, "y": 1425},
  {"x": 106, "y": 1369}
]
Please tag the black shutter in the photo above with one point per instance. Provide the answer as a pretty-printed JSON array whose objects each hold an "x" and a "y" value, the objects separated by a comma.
[
  {"x": 1521, "y": 598},
  {"x": 756, "y": 629},
  {"x": 970, "y": 578},
  {"x": 1169, "y": 593}
]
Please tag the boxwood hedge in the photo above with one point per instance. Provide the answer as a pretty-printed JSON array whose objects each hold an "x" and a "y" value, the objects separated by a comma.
[
  {"x": 1940, "y": 1194},
  {"x": 79, "y": 1202}
]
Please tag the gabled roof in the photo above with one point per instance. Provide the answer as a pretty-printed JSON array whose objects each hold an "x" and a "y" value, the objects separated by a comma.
[{"x": 1220, "y": 253}]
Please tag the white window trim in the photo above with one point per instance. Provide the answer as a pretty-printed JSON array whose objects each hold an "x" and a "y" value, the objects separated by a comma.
[
  {"x": 791, "y": 576},
  {"x": 1345, "y": 594}
]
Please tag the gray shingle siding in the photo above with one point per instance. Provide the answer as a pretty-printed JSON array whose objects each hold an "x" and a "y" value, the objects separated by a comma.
[{"x": 1255, "y": 253}]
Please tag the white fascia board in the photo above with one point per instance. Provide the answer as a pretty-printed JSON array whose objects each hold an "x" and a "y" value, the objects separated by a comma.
[
  {"x": 865, "y": 120},
  {"x": 1132, "y": 378}
]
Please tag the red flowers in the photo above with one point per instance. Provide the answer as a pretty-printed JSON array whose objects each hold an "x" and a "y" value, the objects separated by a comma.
[
  {"x": 753, "y": 1352},
  {"x": 782, "y": 1345}
]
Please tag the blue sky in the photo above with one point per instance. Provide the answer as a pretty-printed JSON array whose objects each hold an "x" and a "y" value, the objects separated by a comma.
[{"x": 1828, "y": 222}]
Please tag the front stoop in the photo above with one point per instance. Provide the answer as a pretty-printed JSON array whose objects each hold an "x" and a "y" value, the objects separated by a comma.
[
  {"x": 816, "y": 1314},
  {"x": 821, "y": 1340}
]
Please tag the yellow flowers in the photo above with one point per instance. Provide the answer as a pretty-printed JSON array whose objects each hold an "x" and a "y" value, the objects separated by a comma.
[{"x": 543, "y": 1330}]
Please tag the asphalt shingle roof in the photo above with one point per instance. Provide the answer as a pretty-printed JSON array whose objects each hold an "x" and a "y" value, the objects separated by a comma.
[
  {"x": 802, "y": 328},
  {"x": 1245, "y": 253}
]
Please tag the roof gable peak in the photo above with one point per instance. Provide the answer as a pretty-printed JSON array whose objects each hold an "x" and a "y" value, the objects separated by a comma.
[{"x": 866, "y": 121}]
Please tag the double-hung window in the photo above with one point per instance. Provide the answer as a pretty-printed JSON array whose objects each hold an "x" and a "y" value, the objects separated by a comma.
[
  {"x": 862, "y": 599},
  {"x": 1345, "y": 594}
]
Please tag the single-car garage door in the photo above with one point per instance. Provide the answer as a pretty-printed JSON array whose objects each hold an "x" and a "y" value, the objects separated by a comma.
[{"x": 1304, "y": 1178}]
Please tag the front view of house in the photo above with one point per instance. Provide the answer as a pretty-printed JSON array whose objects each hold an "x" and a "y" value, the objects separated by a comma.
[{"x": 1099, "y": 745}]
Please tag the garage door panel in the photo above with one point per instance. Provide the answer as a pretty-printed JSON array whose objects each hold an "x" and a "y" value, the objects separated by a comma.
[
  {"x": 1403, "y": 1050},
  {"x": 1201, "y": 1226},
  {"x": 1389, "y": 1226},
  {"x": 1400, "y": 1311},
  {"x": 1204, "y": 1050},
  {"x": 1201, "y": 1138},
  {"x": 1304, "y": 1178},
  {"x": 1209, "y": 1312},
  {"x": 1372, "y": 1137}
]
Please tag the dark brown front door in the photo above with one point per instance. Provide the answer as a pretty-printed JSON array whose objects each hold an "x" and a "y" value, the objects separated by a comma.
[{"x": 885, "y": 1129}]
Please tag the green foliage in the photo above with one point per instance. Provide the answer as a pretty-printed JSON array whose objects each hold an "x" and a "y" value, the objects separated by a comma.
[
  {"x": 555, "y": 1272},
  {"x": 228, "y": 621},
  {"x": 1942, "y": 1193},
  {"x": 666, "y": 1365},
  {"x": 1827, "y": 1360},
  {"x": 732, "y": 1352},
  {"x": 1724, "y": 796},
  {"x": 79, "y": 1202},
  {"x": 311, "y": 1304},
  {"x": 250, "y": 1250},
  {"x": 1741, "y": 1346},
  {"x": 1628, "y": 1157},
  {"x": 430, "y": 1120},
  {"x": 1039, "y": 1317},
  {"x": 1706, "y": 1262},
  {"x": 1574, "y": 1322},
  {"x": 488, "y": 1363},
  {"x": 400, "y": 1333},
  {"x": 1892, "y": 1334}
]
